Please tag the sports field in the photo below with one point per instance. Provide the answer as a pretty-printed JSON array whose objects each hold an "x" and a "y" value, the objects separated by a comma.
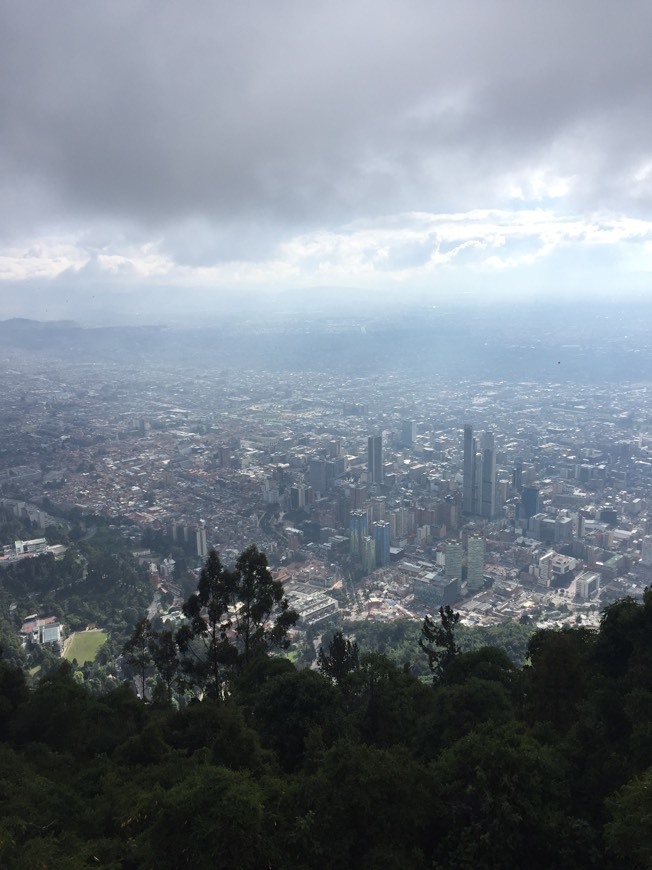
[{"x": 83, "y": 645}]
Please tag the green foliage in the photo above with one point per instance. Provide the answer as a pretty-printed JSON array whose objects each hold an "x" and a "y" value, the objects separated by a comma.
[
  {"x": 212, "y": 818},
  {"x": 236, "y": 615},
  {"x": 288, "y": 707},
  {"x": 503, "y": 800},
  {"x": 438, "y": 641},
  {"x": 628, "y": 834},
  {"x": 342, "y": 658},
  {"x": 494, "y": 766}
]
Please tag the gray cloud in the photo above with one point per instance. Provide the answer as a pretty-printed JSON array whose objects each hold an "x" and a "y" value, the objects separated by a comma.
[
  {"x": 222, "y": 129},
  {"x": 152, "y": 110}
]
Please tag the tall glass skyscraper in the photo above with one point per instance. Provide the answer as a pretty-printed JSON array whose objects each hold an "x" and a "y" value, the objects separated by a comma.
[
  {"x": 375, "y": 459},
  {"x": 479, "y": 482},
  {"x": 381, "y": 537}
]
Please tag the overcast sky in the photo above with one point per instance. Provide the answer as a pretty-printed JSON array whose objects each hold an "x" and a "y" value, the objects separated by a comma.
[{"x": 190, "y": 153}]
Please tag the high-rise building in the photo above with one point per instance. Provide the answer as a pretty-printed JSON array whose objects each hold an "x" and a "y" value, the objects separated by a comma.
[
  {"x": 453, "y": 566},
  {"x": 475, "y": 563},
  {"x": 544, "y": 569},
  {"x": 517, "y": 477},
  {"x": 530, "y": 501},
  {"x": 408, "y": 432},
  {"x": 469, "y": 466},
  {"x": 368, "y": 554},
  {"x": 375, "y": 459},
  {"x": 479, "y": 481},
  {"x": 487, "y": 479},
  {"x": 378, "y": 506},
  {"x": 358, "y": 531},
  {"x": 202, "y": 546},
  {"x": 298, "y": 496},
  {"x": 321, "y": 474},
  {"x": 381, "y": 532}
]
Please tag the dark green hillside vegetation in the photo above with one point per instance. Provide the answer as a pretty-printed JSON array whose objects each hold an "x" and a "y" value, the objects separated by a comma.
[{"x": 239, "y": 759}]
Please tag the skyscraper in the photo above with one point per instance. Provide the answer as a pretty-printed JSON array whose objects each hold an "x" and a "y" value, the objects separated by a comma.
[
  {"x": 202, "y": 546},
  {"x": 408, "y": 432},
  {"x": 469, "y": 464},
  {"x": 488, "y": 477},
  {"x": 479, "y": 482},
  {"x": 530, "y": 501},
  {"x": 453, "y": 565},
  {"x": 381, "y": 538},
  {"x": 321, "y": 474},
  {"x": 375, "y": 459},
  {"x": 475, "y": 563},
  {"x": 358, "y": 530}
]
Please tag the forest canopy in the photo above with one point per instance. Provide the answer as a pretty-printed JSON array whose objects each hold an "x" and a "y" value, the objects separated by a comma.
[{"x": 488, "y": 763}]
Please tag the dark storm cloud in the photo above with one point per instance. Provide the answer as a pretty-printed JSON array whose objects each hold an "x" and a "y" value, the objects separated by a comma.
[{"x": 299, "y": 113}]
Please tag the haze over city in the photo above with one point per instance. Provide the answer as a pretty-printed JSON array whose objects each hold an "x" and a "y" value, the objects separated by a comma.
[{"x": 160, "y": 163}]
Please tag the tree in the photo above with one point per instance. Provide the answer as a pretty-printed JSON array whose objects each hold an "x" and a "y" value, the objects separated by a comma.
[
  {"x": 262, "y": 615},
  {"x": 438, "y": 641},
  {"x": 165, "y": 656},
  {"x": 238, "y": 615},
  {"x": 207, "y": 610},
  {"x": 503, "y": 800},
  {"x": 627, "y": 834},
  {"x": 137, "y": 651},
  {"x": 342, "y": 658}
]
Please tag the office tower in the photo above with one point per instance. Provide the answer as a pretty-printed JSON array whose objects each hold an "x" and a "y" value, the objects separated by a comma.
[
  {"x": 298, "y": 496},
  {"x": 375, "y": 459},
  {"x": 334, "y": 447},
  {"x": 487, "y": 477},
  {"x": 368, "y": 554},
  {"x": 469, "y": 464},
  {"x": 563, "y": 530},
  {"x": 321, "y": 474},
  {"x": 408, "y": 432},
  {"x": 517, "y": 477},
  {"x": 358, "y": 530},
  {"x": 358, "y": 495},
  {"x": 453, "y": 566},
  {"x": 378, "y": 506},
  {"x": 381, "y": 533},
  {"x": 202, "y": 547},
  {"x": 545, "y": 569},
  {"x": 530, "y": 501},
  {"x": 475, "y": 563},
  {"x": 479, "y": 481}
]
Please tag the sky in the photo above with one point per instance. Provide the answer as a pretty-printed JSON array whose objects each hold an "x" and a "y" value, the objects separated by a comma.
[{"x": 161, "y": 159}]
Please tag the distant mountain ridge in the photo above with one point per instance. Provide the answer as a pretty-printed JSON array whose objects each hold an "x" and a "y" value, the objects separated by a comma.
[{"x": 494, "y": 343}]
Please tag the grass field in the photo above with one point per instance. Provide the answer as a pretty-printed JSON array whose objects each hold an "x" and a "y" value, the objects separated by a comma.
[{"x": 84, "y": 645}]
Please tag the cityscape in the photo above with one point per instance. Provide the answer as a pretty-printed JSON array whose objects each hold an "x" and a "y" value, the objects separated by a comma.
[
  {"x": 326, "y": 435},
  {"x": 375, "y": 496}
]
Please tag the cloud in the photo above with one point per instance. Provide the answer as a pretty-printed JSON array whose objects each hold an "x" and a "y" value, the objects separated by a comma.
[{"x": 270, "y": 142}]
